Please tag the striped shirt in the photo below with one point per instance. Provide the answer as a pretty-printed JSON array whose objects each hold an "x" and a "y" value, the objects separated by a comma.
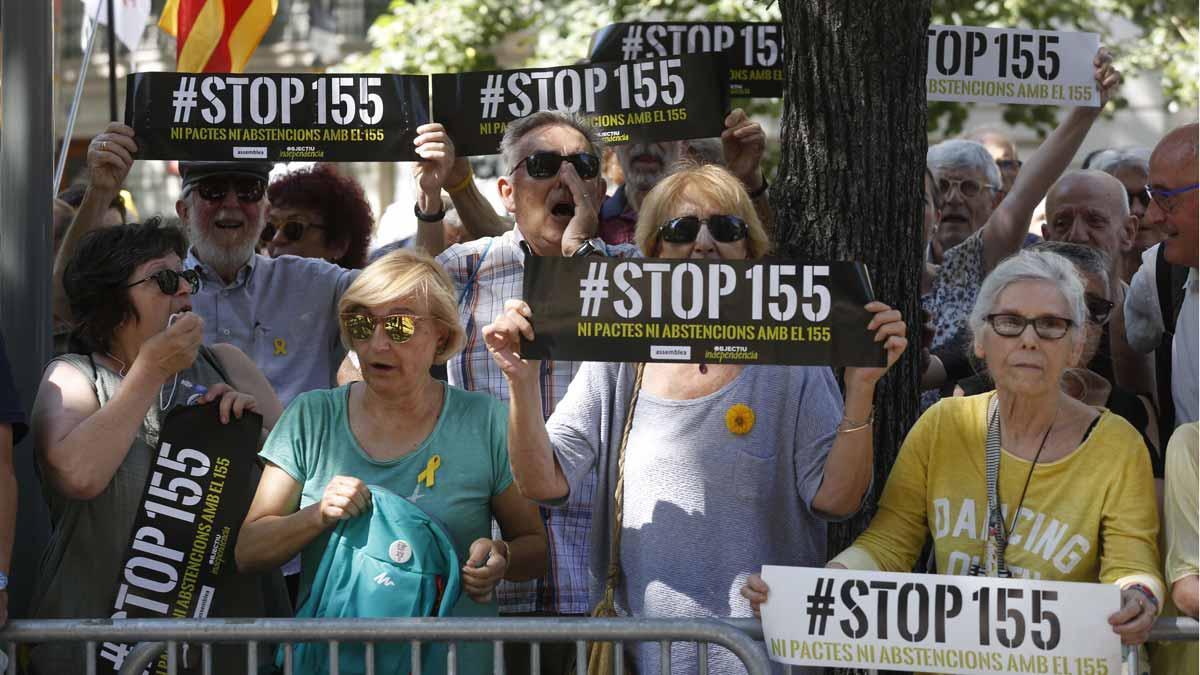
[{"x": 488, "y": 272}]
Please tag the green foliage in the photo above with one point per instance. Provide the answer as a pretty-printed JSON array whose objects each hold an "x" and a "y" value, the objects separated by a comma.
[
  {"x": 438, "y": 36},
  {"x": 1160, "y": 35}
]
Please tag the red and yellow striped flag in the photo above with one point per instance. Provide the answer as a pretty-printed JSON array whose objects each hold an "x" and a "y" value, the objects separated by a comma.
[{"x": 216, "y": 36}]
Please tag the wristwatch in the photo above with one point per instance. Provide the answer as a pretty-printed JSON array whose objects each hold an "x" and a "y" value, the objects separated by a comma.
[
  {"x": 429, "y": 217},
  {"x": 588, "y": 248}
]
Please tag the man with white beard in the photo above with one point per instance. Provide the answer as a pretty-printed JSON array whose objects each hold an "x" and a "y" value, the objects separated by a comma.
[{"x": 281, "y": 312}]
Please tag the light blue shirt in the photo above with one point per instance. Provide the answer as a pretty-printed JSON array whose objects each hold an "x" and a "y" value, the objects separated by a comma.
[{"x": 282, "y": 312}]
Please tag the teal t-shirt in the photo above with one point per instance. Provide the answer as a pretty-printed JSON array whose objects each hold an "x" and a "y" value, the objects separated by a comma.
[{"x": 313, "y": 442}]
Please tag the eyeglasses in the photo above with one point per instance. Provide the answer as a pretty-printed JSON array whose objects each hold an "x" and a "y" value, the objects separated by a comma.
[
  {"x": 545, "y": 164},
  {"x": 1166, "y": 198},
  {"x": 398, "y": 327},
  {"x": 685, "y": 229},
  {"x": 1142, "y": 196},
  {"x": 168, "y": 281},
  {"x": 1009, "y": 164},
  {"x": 1099, "y": 309},
  {"x": 248, "y": 190},
  {"x": 1048, "y": 327},
  {"x": 293, "y": 230},
  {"x": 968, "y": 187}
]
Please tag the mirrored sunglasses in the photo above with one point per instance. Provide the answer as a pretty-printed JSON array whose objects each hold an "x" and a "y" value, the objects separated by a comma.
[{"x": 398, "y": 327}]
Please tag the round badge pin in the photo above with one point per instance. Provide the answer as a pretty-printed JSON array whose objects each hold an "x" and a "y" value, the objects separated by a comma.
[{"x": 400, "y": 552}]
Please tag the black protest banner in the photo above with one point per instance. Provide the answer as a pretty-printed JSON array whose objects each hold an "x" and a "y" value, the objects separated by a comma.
[
  {"x": 754, "y": 51},
  {"x": 223, "y": 116},
  {"x": 700, "y": 311},
  {"x": 180, "y": 555},
  {"x": 644, "y": 101}
]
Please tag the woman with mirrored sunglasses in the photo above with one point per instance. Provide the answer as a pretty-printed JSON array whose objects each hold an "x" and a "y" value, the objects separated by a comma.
[
  {"x": 399, "y": 429},
  {"x": 98, "y": 414},
  {"x": 1026, "y": 481},
  {"x": 722, "y": 453},
  {"x": 319, "y": 213}
]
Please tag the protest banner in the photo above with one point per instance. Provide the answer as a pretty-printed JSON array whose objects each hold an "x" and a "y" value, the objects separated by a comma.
[
  {"x": 700, "y": 311},
  {"x": 939, "y": 623},
  {"x": 180, "y": 558},
  {"x": 1011, "y": 65},
  {"x": 753, "y": 50},
  {"x": 295, "y": 117},
  {"x": 642, "y": 101}
]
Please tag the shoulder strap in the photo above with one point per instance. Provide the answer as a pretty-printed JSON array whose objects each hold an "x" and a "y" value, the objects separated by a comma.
[
  {"x": 607, "y": 603},
  {"x": 997, "y": 535},
  {"x": 475, "y": 272}
]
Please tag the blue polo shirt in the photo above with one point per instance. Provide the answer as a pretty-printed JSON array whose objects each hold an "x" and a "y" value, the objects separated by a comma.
[{"x": 282, "y": 312}]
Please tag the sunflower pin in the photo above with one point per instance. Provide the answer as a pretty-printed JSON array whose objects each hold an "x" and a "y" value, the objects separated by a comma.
[{"x": 739, "y": 419}]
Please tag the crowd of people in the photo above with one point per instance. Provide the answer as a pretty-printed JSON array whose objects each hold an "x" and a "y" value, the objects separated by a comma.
[{"x": 1059, "y": 388}]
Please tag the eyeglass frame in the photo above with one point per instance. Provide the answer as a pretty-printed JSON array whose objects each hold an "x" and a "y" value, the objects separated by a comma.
[
  {"x": 192, "y": 277},
  {"x": 228, "y": 181},
  {"x": 956, "y": 185},
  {"x": 1027, "y": 322},
  {"x": 273, "y": 228},
  {"x": 571, "y": 158},
  {"x": 741, "y": 229},
  {"x": 1089, "y": 298},
  {"x": 1168, "y": 206}
]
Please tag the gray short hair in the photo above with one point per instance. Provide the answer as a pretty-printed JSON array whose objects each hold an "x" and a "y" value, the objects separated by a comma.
[
  {"x": 1031, "y": 266},
  {"x": 1114, "y": 159},
  {"x": 960, "y": 154},
  {"x": 1087, "y": 259},
  {"x": 521, "y": 128}
]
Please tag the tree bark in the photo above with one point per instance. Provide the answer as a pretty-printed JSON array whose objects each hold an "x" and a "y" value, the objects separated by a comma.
[{"x": 851, "y": 178}]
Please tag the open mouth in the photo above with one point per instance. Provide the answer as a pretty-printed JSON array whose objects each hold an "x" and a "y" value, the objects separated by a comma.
[
  {"x": 381, "y": 367},
  {"x": 224, "y": 224},
  {"x": 563, "y": 210}
]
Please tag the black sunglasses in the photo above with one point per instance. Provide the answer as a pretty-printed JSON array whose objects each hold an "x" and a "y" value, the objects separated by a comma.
[
  {"x": 1139, "y": 196},
  {"x": 685, "y": 229},
  {"x": 168, "y": 281},
  {"x": 293, "y": 230},
  {"x": 1099, "y": 309},
  {"x": 546, "y": 164},
  {"x": 248, "y": 190}
]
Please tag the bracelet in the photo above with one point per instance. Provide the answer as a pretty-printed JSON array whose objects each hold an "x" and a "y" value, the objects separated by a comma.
[
  {"x": 3, "y": 581},
  {"x": 760, "y": 190},
  {"x": 435, "y": 217},
  {"x": 462, "y": 185},
  {"x": 842, "y": 429},
  {"x": 1146, "y": 592}
]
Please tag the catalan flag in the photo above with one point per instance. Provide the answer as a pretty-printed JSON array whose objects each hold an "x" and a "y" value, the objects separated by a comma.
[{"x": 216, "y": 36}]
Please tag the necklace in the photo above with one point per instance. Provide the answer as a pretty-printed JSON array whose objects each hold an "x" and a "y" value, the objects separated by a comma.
[
  {"x": 123, "y": 366},
  {"x": 1029, "y": 476}
]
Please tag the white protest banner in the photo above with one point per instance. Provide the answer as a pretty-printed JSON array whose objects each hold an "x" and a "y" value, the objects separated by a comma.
[
  {"x": 939, "y": 623},
  {"x": 1011, "y": 65}
]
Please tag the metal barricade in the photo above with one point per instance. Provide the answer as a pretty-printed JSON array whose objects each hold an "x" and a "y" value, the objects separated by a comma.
[{"x": 154, "y": 635}]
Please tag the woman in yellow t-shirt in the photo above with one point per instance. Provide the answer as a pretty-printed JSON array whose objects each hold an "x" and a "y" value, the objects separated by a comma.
[{"x": 1074, "y": 484}]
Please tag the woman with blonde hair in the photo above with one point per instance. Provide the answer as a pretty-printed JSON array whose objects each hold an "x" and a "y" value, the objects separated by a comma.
[
  {"x": 726, "y": 454},
  {"x": 399, "y": 316}
]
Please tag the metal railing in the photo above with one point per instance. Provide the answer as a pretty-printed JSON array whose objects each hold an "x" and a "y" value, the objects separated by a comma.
[{"x": 155, "y": 635}]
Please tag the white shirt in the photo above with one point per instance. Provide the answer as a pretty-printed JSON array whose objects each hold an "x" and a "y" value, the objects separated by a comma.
[{"x": 1144, "y": 329}]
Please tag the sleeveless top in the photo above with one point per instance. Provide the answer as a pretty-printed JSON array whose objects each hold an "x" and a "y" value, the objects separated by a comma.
[{"x": 89, "y": 538}]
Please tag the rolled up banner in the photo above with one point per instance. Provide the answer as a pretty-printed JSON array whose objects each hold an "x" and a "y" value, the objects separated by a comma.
[
  {"x": 180, "y": 562},
  {"x": 700, "y": 311},
  {"x": 276, "y": 117},
  {"x": 652, "y": 100},
  {"x": 753, "y": 50}
]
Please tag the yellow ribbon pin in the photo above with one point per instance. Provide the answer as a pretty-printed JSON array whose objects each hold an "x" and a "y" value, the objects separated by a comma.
[
  {"x": 280, "y": 347},
  {"x": 427, "y": 476}
]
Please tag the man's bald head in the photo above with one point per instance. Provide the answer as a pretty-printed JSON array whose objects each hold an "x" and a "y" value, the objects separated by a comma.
[
  {"x": 1173, "y": 169},
  {"x": 1091, "y": 208}
]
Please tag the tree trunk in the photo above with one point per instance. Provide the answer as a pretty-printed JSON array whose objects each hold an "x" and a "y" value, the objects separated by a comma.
[{"x": 851, "y": 177}]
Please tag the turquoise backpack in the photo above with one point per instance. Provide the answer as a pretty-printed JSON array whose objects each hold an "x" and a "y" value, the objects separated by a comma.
[{"x": 396, "y": 561}]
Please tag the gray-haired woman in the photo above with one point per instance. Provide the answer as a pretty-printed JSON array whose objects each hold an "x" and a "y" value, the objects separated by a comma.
[{"x": 1063, "y": 464}]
